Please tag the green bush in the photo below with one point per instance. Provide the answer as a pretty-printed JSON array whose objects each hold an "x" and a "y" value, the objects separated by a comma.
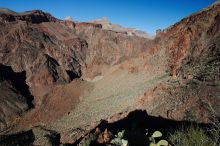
[
  {"x": 154, "y": 136},
  {"x": 118, "y": 140},
  {"x": 193, "y": 136},
  {"x": 88, "y": 140}
]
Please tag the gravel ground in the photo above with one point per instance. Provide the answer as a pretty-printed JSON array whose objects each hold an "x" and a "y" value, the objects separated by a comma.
[{"x": 112, "y": 94}]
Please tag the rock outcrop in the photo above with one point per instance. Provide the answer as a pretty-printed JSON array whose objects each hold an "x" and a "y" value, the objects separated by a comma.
[
  {"x": 107, "y": 25},
  {"x": 15, "y": 97},
  {"x": 35, "y": 16}
]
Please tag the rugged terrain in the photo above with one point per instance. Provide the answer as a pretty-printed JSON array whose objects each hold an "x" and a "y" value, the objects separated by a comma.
[
  {"x": 62, "y": 78},
  {"x": 107, "y": 25}
]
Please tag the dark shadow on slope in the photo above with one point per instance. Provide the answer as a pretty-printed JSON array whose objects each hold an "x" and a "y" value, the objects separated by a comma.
[
  {"x": 136, "y": 123},
  {"x": 19, "y": 139},
  {"x": 72, "y": 74},
  {"x": 18, "y": 80},
  {"x": 27, "y": 138},
  {"x": 52, "y": 65}
]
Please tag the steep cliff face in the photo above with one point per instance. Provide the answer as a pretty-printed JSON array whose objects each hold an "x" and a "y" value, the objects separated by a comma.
[
  {"x": 15, "y": 97},
  {"x": 107, "y": 48},
  {"x": 193, "y": 44},
  {"x": 192, "y": 47},
  {"x": 79, "y": 73}
]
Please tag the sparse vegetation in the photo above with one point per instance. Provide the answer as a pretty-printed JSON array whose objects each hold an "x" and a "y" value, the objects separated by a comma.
[
  {"x": 185, "y": 136},
  {"x": 88, "y": 140},
  {"x": 175, "y": 134},
  {"x": 193, "y": 136},
  {"x": 156, "y": 135},
  {"x": 119, "y": 139}
]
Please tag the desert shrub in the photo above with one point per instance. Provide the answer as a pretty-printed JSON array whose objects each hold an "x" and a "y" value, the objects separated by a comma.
[
  {"x": 119, "y": 140},
  {"x": 154, "y": 139},
  {"x": 88, "y": 140},
  {"x": 192, "y": 136}
]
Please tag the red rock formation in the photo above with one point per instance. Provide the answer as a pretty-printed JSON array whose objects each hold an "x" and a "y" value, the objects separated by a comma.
[
  {"x": 88, "y": 25},
  {"x": 35, "y": 16}
]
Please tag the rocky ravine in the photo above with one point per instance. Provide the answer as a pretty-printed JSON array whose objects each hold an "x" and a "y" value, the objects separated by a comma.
[{"x": 67, "y": 76}]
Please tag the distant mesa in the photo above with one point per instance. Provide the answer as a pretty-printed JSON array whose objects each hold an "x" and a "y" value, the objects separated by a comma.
[
  {"x": 7, "y": 11},
  {"x": 68, "y": 18},
  {"x": 104, "y": 21},
  {"x": 107, "y": 25}
]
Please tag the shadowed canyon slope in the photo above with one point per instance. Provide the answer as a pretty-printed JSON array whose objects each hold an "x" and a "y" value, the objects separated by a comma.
[{"x": 68, "y": 76}]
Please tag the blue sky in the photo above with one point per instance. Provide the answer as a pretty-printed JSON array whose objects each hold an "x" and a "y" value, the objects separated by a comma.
[{"x": 147, "y": 15}]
